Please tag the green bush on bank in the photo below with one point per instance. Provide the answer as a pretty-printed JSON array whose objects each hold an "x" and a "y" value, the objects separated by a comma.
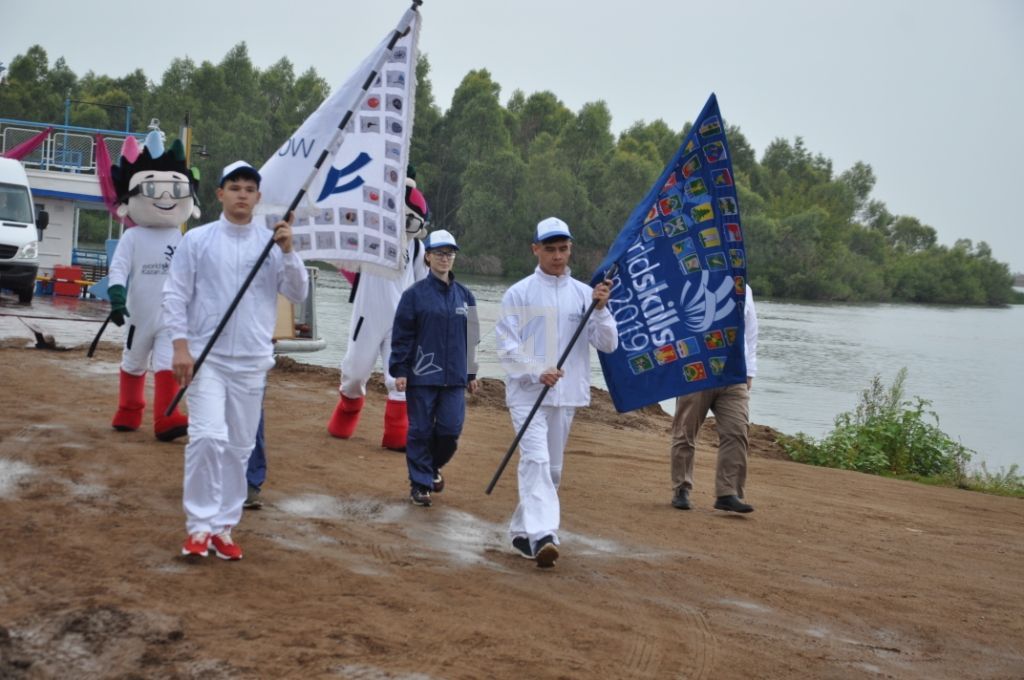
[{"x": 889, "y": 435}]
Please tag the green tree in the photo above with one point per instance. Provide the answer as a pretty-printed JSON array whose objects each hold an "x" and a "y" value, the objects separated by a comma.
[
  {"x": 541, "y": 112},
  {"x": 29, "y": 93},
  {"x": 472, "y": 130},
  {"x": 491, "y": 192},
  {"x": 489, "y": 171}
]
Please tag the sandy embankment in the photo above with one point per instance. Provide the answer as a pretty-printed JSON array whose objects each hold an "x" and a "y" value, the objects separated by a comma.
[{"x": 835, "y": 575}]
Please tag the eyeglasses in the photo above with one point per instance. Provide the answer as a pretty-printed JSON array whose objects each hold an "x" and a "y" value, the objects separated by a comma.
[
  {"x": 413, "y": 223},
  {"x": 157, "y": 188},
  {"x": 444, "y": 254}
]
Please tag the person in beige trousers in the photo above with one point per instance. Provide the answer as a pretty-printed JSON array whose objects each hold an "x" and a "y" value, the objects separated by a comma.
[{"x": 731, "y": 406}]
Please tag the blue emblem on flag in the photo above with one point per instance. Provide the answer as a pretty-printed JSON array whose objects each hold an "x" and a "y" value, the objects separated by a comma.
[{"x": 681, "y": 295}]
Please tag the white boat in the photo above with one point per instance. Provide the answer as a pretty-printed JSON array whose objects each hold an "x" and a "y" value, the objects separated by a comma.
[{"x": 303, "y": 336}]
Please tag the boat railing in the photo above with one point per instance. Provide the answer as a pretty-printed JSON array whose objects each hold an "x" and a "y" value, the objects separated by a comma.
[{"x": 67, "y": 148}]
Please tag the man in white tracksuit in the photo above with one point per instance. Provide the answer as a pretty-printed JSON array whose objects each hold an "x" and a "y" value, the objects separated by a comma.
[
  {"x": 539, "y": 315},
  {"x": 373, "y": 313},
  {"x": 226, "y": 394},
  {"x": 156, "y": 190}
]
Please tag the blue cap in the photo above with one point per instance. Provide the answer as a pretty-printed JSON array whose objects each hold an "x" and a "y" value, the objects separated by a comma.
[{"x": 552, "y": 227}]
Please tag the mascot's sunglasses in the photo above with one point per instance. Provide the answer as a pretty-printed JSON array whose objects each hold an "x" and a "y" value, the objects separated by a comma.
[
  {"x": 157, "y": 188},
  {"x": 413, "y": 223}
]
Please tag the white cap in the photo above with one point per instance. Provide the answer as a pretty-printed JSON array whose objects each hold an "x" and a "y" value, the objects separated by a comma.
[
  {"x": 550, "y": 228},
  {"x": 440, "y": 239},
  {"x": 239, "y": 168}
]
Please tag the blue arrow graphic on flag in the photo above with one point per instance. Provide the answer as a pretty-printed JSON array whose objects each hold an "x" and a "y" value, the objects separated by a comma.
[{"x": 334, "y": 175}]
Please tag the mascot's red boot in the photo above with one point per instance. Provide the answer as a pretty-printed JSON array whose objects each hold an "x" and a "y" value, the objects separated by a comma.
[
  {"x": 345, "y": 417},
  {"x": 131, "y": 401},
  {"x": 167, "y": 428},
  {"x": 396, "y": 425}
]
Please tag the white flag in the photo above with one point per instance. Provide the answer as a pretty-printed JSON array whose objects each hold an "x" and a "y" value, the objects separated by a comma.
[{"x": 353, "y": 213}]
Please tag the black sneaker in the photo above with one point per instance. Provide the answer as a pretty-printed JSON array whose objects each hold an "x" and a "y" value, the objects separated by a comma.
[
  {"x": 522, "y": 546},
  {"x": 252, "y": 499},
  {"x": 681, "y": 499},
  {"x": 420, "y": 496},
  {"x": 547, "y": 552},
  {"x": 732, "y": 504},
  {"x": 438, "y": 482}
]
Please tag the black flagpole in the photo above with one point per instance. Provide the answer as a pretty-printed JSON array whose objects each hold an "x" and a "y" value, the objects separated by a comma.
[
  {"x": 96, "y": 340},
  {"x": 328, "y": 149},
  {"x": 543, "y": 393}
]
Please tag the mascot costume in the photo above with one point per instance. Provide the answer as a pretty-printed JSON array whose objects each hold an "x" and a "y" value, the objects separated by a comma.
[
  {"x": 376, "y": 299},
  {"x": 157, "y": 191}
]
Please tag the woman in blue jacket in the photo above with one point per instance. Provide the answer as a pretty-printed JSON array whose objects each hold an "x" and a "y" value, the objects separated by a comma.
[{"x": 433, "y": 360}]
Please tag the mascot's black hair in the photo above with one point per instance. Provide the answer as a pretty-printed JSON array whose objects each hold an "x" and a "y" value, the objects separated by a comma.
[{"x": 172, "y": 160}]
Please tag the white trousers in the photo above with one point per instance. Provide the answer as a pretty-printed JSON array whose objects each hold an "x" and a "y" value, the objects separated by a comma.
[
  {"x": 223, "y": 416},
  {"x": 143, "y": 343},
  {"x": 361, "y": 358},
  {"x": 541, "y": 454}
]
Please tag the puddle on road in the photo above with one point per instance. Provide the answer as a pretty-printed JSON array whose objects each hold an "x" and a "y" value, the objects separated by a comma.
[
  {"x": 750, "y": 606},
  {"x": 461, "y": 537},
  {"x": 11, "y": 473},
  {"x": 320, "y": 506},
  {"x": 72, "y": 322},
  {"x": 363, "y": 672},
  {"x": 869, "y": 667},
  {"x": 97, "y": 367},
  {"x": 28, "y": 432},
  {"x": 85, "y": 490}
]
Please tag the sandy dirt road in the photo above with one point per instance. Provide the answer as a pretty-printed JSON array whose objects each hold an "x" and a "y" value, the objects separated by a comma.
[{"x": 836, "y": 574}]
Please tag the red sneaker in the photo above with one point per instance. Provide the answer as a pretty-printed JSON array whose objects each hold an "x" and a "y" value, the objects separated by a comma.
[
  {"x": 225, "y": 548},
  {"x": 196, "y": 545}
]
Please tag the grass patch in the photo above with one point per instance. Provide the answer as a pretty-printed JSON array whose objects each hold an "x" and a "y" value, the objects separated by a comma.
[{"x": 888, "y": 434}]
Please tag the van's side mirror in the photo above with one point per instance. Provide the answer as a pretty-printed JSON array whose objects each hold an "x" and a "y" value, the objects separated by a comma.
[{"x": 42, "y": 220}]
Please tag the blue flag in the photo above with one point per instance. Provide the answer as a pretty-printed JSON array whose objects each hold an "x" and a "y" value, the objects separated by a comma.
[{"x": 678, "y": 293}]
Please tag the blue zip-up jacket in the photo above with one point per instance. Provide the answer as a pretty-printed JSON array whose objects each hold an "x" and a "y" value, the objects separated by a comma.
[{"x": 434, "y": 337}]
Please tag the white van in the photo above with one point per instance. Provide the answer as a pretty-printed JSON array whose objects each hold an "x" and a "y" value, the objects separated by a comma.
[{"x": 20, "y": 233}]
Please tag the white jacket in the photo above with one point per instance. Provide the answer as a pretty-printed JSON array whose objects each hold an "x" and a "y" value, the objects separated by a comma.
[
  {"x": 207, "y": 272},
  {"x": 539, "y": 315},
  {"x": 141, "y": 262},
  {"x": 750, "y": 332}
]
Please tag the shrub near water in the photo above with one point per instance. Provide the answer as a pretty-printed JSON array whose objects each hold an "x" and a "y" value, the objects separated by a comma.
[{"x": 886, "y": 435}]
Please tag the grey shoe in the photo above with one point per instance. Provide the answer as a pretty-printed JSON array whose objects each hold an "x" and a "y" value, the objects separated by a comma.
[
  {"x": 252, "y": 499},
  {"x": 732, "y": 504},
  {"x": 681, "y": 499}
]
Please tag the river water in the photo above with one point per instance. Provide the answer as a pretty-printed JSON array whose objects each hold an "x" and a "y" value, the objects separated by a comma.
[{"x": 814, "y": 360}]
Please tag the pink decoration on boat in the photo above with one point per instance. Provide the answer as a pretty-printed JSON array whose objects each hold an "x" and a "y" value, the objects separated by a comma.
[{"x": 28, "y": 146}]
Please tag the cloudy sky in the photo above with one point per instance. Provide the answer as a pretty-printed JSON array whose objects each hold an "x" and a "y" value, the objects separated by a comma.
[{"x": 930, "y": 93}]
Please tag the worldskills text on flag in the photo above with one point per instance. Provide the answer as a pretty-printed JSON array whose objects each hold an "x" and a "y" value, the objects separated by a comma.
[
  {"x": 354, "y": 209},
  {"x": 678, "y": 294}
]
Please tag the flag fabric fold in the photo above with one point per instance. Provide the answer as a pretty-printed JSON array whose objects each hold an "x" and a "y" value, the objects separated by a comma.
[
  {"x": 679, "y": 292},
  {"x": 354, "y": 209}
]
